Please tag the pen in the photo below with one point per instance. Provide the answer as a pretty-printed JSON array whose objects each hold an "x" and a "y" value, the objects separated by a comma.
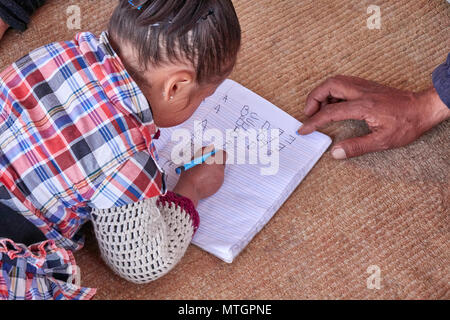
[{"x": 195, "y": 162}]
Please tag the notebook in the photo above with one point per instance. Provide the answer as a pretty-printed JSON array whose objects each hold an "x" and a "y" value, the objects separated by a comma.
[{"x": 253, "y": 191}]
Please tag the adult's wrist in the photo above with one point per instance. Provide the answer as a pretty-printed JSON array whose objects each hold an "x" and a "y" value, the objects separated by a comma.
[{"x": 433, "y": 108}]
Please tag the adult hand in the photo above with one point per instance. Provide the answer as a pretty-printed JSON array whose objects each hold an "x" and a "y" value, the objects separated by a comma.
[{"x": 395, "y": 117}]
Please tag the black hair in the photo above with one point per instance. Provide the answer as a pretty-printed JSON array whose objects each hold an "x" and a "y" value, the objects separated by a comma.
[{"x": 206, "y": 32}]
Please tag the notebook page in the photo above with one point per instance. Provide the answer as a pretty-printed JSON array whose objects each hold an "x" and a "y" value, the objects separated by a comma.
[{"x": 247, "y": 200}]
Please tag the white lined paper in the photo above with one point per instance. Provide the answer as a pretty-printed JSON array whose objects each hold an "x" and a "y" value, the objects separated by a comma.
[{"x": 247, "y": 200}]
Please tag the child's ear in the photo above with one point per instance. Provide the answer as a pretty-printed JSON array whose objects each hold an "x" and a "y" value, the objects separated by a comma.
[{"x": 178, "y": 84}]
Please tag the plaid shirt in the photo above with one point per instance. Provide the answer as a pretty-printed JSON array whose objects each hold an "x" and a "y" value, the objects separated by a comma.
[
  {"x": 75, "y": 134},
  {"x": 40, "y": 272}
]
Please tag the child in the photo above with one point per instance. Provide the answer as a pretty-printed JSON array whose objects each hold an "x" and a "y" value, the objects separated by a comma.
[{"x": 77, "y": 121}]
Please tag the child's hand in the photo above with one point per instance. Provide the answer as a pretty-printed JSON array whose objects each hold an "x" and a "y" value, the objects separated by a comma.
[{"x": 203, "y": 180}]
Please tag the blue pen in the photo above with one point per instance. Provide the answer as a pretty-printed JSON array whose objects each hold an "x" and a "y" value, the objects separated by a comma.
[{"x": 194, "y": 162}]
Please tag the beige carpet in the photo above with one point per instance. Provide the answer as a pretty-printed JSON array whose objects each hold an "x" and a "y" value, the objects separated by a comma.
[{"x": 389, "y": 209}]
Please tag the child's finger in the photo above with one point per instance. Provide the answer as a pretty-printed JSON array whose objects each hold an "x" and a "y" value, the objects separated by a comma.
[
  {"x": 203, "y": 151},
  {"x": 219, "y": 158}
]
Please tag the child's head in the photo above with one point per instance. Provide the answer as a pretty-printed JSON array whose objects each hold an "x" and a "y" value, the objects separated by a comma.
[{"x": 178, "y": 51}]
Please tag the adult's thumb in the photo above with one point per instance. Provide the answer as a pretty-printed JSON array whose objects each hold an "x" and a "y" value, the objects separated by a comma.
[{"x": 354, "y": 147}]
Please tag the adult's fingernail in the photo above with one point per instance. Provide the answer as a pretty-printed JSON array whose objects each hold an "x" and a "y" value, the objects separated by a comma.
[{"x": 338, "y": 154}]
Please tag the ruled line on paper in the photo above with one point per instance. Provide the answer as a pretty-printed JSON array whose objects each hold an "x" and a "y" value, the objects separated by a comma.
[{"x": 247, "y": 200}]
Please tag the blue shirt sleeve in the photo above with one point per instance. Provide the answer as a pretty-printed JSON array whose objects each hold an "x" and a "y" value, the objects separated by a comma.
[{"x": 441, "y": 81}]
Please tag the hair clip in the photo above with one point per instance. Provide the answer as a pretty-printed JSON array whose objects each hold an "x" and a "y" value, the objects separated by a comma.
[
  {"x": 205, "y": 17},
  {"x": 135, "y": 6}
]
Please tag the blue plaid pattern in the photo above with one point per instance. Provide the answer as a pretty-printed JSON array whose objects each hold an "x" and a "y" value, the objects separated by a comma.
[{"x": 75, "y": 134}]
